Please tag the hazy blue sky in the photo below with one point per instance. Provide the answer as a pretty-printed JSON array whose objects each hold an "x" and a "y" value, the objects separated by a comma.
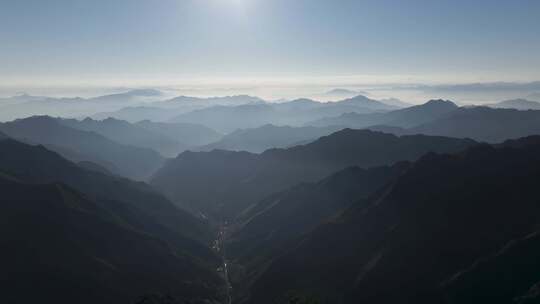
[{"x": 290, "y": 40}]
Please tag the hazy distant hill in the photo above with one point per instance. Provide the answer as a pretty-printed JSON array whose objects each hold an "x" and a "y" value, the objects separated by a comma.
[
  {"x": 268, "y": 136},
  {"x": 129, "y": 134},
  {"x": 396, "y": 102},
  {"x": 518, "y": 104},
  {"x": 129, "y": 161},
  {"x": 226, "y": 119},
  {"x": 25, "y": 106},
  {"x": 407, "y": 117},
  {"x": 293, "y": 113},
  {"x": 138, "y": 113},
  {"x": 534, "y": 97},
  {"x": 197, "y": 102},
  {"x": 448, "y": 231},
  {"x": 479, "y": 123},
  {"x": 191, "y": 135},
  {"x": 169, "y": 139},
  {"x": 364, "y": 102},
  {"x": 223, "y": 183},
  {"x": 344, "y": 93},
  {"x": 165, "y": 110}
]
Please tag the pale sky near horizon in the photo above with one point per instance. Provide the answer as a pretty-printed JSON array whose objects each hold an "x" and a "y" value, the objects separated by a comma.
[{"x": 246, "y": 42}]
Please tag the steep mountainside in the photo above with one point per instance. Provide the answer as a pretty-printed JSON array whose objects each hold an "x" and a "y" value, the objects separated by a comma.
[
  {"x": 61, "y": 247},
  {"x": 426, "y": 237},
  {"x": 267, "y": 230},
  {"x": 35, "y": 164},
  {"x": 223, "y": 183}
]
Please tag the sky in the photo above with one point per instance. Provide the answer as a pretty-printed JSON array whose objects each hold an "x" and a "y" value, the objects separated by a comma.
[{"x": 267, "y": 42}]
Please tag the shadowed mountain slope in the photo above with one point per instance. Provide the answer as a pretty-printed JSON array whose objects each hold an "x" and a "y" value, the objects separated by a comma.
[
  {"x": 223, "y": 183},
  {"x": 403, "y": 244},
  {"x": 65, "y": 248},
  {"x": 35, "y": 164},
  {"x": 266, "y": 230}
]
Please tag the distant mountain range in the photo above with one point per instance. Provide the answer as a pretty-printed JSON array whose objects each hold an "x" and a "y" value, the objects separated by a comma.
[
  {"x": 396, "y": 102},
  {"x": 190, "y": 135},
  {"x": 406, "y": 117},
  {"x": 126, "y": 133},
  {"x": 339, "y": 92},
  {"x": 135, "y": 114},
  {"x": 259, "y": 139},
  {"x": 78, "y": 145},
  {"x": 518, "y": 104},
  {"x": 443, "y": 118},
  {"x": 23, "y": 106},
  {"x": 167, "y": 139},
  {"x": 166, "y": 110},
  {"x": 227, "y": 119},
  {"x": 223, "y": 183},
  {"x": 354, "y": 201},
  {"x": 293, "y": 113},
  {"x": 479, "y": 123},
  {"x": 198, "y": 102}
]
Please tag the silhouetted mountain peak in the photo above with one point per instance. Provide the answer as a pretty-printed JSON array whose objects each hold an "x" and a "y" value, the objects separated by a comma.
[
  {"x": 213, "y": 155},
  {"x": 302, "y": 101},
  {"x": 218, "y": 100},
  {"x": 522, "y": 142},
  {"x": 354, "y": 134},
  {"x": 440, "y": 103},
  {"x": 37, "y": 121},
  {"x": 341, "y": 92},
  {"x": 144, "y": 92},
  {"x": 112, "y": 120},
  {"x": 360, "y": 98}
]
